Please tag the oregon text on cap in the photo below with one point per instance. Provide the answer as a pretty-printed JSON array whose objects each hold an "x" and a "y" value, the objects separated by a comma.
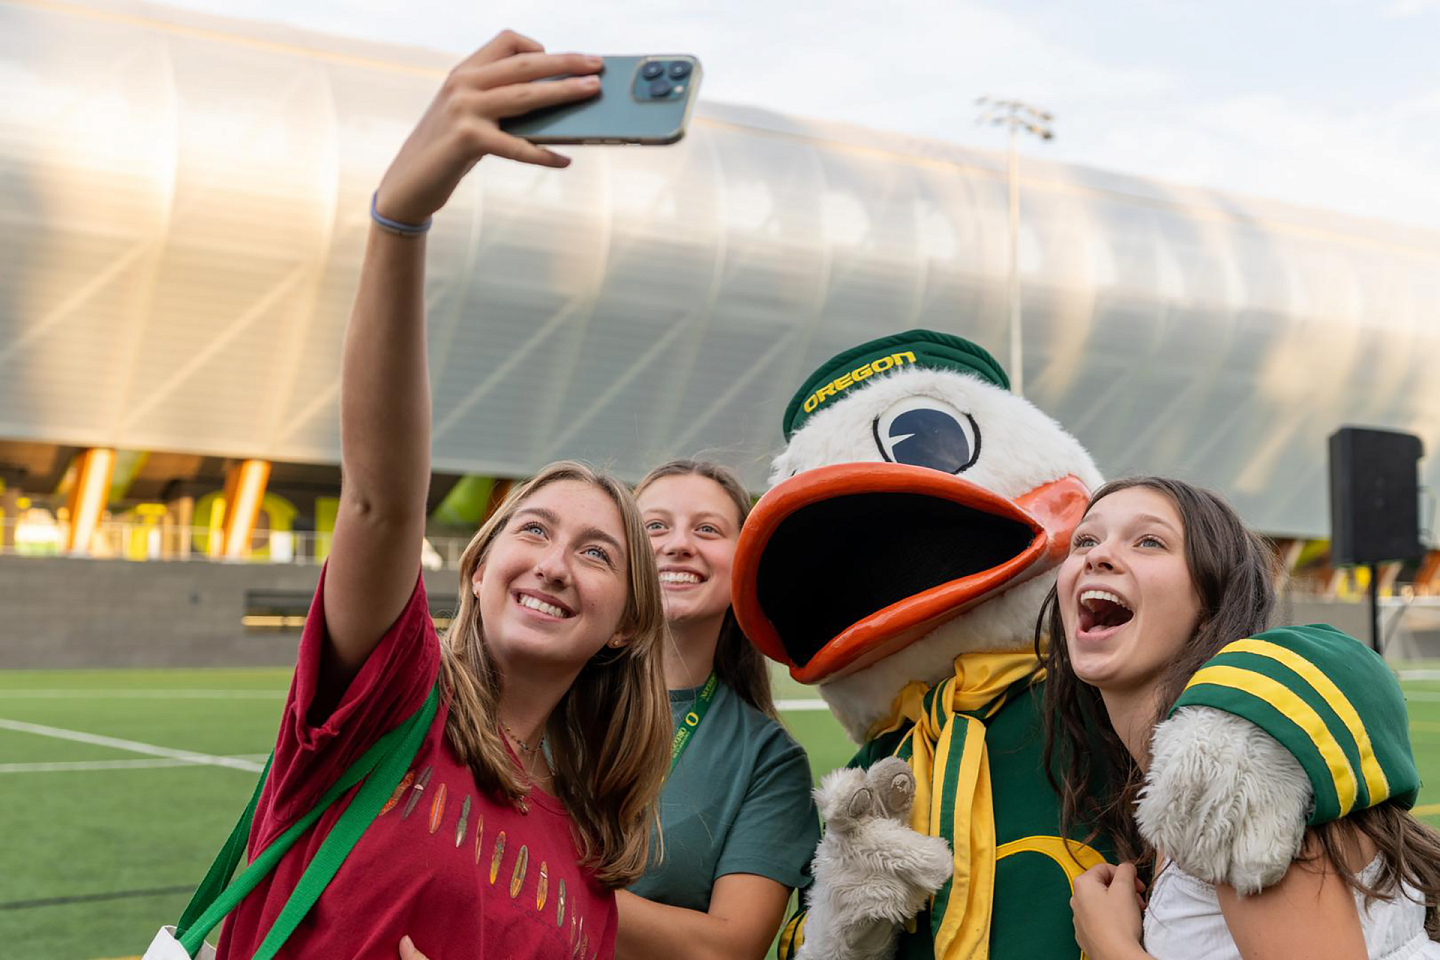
[{"x": 848, "y": 380}]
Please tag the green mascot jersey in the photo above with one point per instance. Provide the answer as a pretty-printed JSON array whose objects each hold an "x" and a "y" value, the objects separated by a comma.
[{"x": 1030, "y": 908}]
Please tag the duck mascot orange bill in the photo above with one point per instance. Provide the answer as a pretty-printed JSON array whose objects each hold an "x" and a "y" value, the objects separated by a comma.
[{"x": 899, "y": 561}]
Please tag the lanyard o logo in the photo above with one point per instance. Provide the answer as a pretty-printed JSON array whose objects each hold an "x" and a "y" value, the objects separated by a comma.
[{"x": 692, "y": 718}]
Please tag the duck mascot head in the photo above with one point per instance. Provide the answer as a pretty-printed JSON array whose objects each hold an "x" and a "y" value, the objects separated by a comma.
[{"x": 899, "y": 562}]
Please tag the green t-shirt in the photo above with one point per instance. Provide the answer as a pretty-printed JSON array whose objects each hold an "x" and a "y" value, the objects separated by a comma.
[{"x": 738, "y": 802}]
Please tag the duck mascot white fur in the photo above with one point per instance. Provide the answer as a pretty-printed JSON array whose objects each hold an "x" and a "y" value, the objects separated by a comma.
[{"x": 899, "y": 561}]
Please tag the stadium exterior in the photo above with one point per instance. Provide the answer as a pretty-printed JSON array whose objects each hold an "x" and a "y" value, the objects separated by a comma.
[{"x": 185, "y": 205}]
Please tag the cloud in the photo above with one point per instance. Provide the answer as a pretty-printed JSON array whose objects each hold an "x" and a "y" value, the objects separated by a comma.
[
  {"x": 1404, "y": 9},
  {"x": 1382, "y": 161},
  {"x": 915, "y": 68}
]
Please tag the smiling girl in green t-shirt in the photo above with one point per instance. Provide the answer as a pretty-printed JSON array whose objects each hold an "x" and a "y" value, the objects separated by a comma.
[{"x": 738, "y": 822}]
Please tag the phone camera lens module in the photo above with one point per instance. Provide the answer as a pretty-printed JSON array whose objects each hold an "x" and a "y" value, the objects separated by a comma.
[
  {"x": 659, "y": 89},
  {"x": 679, "y": 69},
  {"x": 652, "y": 70}
]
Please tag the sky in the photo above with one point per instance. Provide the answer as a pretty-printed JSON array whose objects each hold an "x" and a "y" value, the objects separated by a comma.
[{"x": 1333, "y": 104}]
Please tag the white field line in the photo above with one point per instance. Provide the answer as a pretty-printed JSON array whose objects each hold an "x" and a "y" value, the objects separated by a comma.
[
  {"x": 67, "y": 766},
  {"x": 133, "y": 746},
  {"x": 1418, "y": 674},
  {"x": 821, "y": 705},
  {"x": 158, "y": 694}
]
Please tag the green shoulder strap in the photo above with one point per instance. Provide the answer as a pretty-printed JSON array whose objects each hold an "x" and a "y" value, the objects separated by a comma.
[{"x": 382, "y": 767}]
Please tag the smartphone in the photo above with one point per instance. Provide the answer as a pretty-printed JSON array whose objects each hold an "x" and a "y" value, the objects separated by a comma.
[{"x": 644, "y": 100}]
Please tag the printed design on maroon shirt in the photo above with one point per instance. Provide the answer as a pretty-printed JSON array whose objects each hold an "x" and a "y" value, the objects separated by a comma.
[
  {"x": 415, "y": 792},
  {"x": 518, "y": 877},
  {"x": 399, "y": 792},
  {"x": 437, "y": 808},
  {"x": 578, "y": 937},
  {"x": 495, "y": 860},
  {"x": 460, "y": 824}
]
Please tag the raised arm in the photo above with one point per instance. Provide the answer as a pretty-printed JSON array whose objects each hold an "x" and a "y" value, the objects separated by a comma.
[{"x": 384, "y": 386}]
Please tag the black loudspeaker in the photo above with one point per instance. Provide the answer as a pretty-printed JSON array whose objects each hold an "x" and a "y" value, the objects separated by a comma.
[{"x": 1374, "y": 496}]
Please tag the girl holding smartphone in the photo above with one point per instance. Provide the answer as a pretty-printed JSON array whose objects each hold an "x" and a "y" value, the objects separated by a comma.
[{"x": 532, "y": 797}]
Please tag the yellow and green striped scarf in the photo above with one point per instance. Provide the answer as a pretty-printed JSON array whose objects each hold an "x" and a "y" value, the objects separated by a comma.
[{"x": 946, "y": 751}]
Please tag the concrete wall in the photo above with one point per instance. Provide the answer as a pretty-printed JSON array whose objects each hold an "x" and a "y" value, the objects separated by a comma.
[
  {"x": 107, "y": 613},
  {"x": 1408, "y": 633},
  {"x": 1353, "y": 618}
]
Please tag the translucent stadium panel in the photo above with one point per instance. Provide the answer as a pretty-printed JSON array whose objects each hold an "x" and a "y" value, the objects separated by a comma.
[
  {"x": 635, "y": 333},
  {"x": 104, "y": 172},
  {"x": 954, "y": 253},
  {"x": 372, "y": 113},
  {"x": 185, "y": 202}
]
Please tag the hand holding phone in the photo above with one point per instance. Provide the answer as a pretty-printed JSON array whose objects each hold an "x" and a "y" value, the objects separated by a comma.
[
  {"x": 462, "y": 123},
  {"x": 643, "y": 100}
]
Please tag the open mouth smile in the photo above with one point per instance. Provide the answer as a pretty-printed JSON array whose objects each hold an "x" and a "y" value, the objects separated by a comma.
[
  {"x": 680, "y": 578},
  {"x": 546, "y": 606},
  {"x": 1101, "y": 614}
]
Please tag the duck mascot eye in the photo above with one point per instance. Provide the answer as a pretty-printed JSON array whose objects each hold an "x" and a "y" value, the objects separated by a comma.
[{"x": 899, "y": 561}]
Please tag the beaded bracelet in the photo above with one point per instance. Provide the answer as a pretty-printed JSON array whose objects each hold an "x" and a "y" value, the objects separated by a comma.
[{"x": 395, "y": 226}]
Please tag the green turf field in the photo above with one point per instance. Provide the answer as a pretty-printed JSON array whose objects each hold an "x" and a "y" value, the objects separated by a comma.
[{"x": 118, "y": 787}]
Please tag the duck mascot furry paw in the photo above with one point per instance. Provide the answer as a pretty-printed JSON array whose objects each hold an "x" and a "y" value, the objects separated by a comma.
[{"x": 899, "y": 561}]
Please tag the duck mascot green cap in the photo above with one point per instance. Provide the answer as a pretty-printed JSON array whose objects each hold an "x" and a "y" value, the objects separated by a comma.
[
  {"x": 899, "y": 561},
  {"x": 914, "y": 486}
]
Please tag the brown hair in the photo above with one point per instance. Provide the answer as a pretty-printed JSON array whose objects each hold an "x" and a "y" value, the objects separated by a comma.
[
  {"x": 737, "y": 661},
  {"x": 608, "y": 737},
  {"x": 1409, "y": 851},
  {"x": 1234, "y": 573}
]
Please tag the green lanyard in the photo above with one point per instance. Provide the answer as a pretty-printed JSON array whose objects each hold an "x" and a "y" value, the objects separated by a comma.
[
  {"x": 685, "y": 731},
  {"x": 381, "y": 767}
]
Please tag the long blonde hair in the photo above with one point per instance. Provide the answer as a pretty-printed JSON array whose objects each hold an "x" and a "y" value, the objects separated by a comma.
[{"x": 608, "y": 735}]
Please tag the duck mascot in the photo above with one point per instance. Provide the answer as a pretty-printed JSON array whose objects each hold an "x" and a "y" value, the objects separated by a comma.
[{"x": 899, "y": 561}]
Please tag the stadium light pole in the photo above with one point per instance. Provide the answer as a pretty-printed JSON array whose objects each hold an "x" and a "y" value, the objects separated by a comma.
[{"x": 1017, "y": 116}]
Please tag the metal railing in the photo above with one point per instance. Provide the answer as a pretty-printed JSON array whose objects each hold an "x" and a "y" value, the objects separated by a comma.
[
  {"x": 158, "y": 540},
  {"x": 161, "y": 541}
]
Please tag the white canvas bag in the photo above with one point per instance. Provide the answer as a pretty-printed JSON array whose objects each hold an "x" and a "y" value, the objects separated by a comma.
[{"x": 166, "y": 947}]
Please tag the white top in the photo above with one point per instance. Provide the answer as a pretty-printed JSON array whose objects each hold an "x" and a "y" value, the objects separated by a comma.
[{"x": 1183, "y": 921}]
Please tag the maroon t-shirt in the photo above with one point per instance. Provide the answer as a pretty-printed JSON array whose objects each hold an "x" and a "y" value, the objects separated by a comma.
[{"x": 464, "y": 874}]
